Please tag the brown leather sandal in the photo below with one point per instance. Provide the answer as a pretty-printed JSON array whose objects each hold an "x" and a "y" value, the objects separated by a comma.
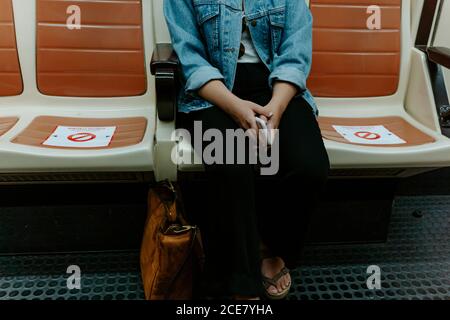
[{"x": 268, "y": 282}]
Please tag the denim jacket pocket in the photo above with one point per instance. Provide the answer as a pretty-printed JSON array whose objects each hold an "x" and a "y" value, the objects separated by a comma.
[
  {"x": 208, "y": 15},
  {"x": 277, "y": 18}
]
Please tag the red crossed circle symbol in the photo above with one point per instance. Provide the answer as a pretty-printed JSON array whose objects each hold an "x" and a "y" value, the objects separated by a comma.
[
  {"x": 82, "y": 137},
  {"x": 367, "y": 135}
]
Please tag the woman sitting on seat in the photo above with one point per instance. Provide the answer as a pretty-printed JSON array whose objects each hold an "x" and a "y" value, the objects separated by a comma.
[{"x": 242, "y": 60}]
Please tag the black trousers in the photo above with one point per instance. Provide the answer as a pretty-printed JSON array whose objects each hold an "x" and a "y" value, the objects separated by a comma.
[{"x": 241, "y": 212}]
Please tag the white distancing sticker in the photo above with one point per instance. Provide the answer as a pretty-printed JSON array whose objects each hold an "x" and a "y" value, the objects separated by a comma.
[
  {"x": 81, "y": 137},
  {"x": 368, "y": 135}
]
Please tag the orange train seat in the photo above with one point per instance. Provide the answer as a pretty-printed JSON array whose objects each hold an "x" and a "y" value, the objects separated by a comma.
[
  {"x": 93, "y": 78},
  {"x": 366, "y": 78},
  {"x": 10, "y": 75},
  {"x": 353, "y": 61}
]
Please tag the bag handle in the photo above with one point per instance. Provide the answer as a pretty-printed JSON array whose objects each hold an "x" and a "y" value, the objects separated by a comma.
[{"x": 169, "y": 194}]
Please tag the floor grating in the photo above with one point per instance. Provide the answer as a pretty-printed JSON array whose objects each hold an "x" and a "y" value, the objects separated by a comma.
[{"x": 414, "y": 264}]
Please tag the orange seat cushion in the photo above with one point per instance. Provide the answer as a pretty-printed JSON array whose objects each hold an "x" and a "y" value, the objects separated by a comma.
[
  {"x": 129, "y": 131},
  {"x": 349, "y": 60},
  {"x": 10, "y": 73},
  {"x": 105, "y": 58},
  {"x": 411, "y": 135},
  {"x": 6, "y": 124}
]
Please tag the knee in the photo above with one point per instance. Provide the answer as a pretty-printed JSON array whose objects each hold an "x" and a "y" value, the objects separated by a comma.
[{"x": 311, "y": 170}]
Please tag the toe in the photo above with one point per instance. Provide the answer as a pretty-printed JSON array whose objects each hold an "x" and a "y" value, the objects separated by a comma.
[
  {"x": 280, "y": 287},
  {"x": 284, "y": 283},
  {"x": 273, "y": 290},
  {"x": 287, "y": 281}
]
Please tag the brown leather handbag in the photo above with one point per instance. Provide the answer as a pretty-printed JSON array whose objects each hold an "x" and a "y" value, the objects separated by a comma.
[{"x": 171, "y": 252}]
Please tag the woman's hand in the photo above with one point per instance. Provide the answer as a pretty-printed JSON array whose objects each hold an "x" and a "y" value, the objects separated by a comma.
[
  {"x": 283, "y": 92},
  {"x": 277, "y": 111},
  {"x": 244, "y": 113}
]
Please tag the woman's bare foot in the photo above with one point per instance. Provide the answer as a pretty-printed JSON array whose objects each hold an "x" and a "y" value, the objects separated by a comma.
[{"x": 270, "y": 267}]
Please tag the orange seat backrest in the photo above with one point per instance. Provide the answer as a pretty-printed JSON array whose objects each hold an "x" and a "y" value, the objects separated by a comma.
[
  {"x": 10, "y": 75},
  {"x": 104, "y": 58},
  {"x": 349, "y": 59}
]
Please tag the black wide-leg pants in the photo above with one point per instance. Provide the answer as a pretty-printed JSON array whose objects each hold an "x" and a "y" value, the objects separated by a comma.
[{"x": 239, "y": 217}]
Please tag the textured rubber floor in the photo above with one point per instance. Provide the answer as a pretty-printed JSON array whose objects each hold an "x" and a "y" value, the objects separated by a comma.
[
  {"x": 103, "y": 276},
  {"x": 414, "y": 263}
]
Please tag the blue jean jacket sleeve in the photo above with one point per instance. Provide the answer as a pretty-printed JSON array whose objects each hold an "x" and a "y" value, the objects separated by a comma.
[
  {"x": 188, "y": 45},
  {"x": 292, "y": 63}
]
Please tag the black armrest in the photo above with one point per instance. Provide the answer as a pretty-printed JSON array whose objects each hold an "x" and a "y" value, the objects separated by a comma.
[
  {"x": 164, "y": 66},
  {"x": 439, "y": 55}
]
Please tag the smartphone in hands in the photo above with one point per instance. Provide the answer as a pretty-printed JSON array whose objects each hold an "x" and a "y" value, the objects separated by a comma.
[{"x": 264, "y": 131}]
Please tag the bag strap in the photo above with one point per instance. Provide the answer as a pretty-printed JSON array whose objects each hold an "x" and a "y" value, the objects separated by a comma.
[
  {"x": 181, "y": 209},
  {"x": 166, "y": 193}
]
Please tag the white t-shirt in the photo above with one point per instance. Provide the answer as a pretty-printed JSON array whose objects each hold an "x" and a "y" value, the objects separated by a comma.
[{"x": 250, "y": 55}]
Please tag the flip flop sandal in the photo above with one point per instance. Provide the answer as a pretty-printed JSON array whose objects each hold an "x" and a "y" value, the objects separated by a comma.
[{"x": 268, "y": 282}]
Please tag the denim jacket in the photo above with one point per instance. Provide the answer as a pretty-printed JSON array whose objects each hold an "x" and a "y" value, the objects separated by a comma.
[{"x": 206, "y": 35}]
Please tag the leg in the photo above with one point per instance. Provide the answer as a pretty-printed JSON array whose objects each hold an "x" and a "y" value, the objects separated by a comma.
[
  {"x": 229, "y": 228},
  {"x": 304, "y": 168}
]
